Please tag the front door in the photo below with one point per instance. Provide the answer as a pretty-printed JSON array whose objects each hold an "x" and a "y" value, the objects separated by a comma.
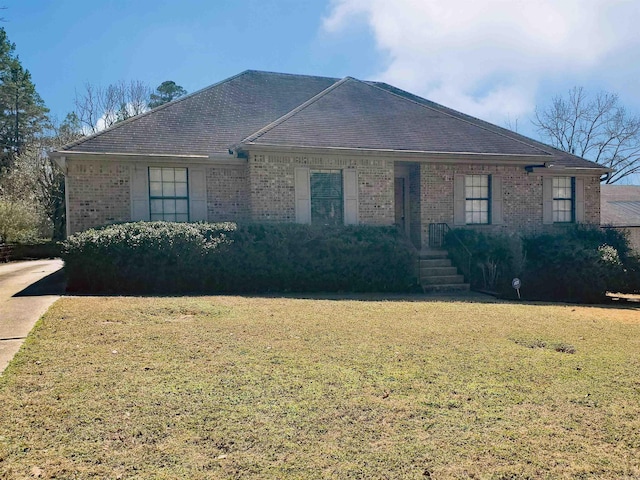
[{"x": 400, "y": 203}]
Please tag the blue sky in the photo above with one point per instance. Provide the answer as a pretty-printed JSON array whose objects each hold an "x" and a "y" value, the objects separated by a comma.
[{"x": 494, "y": 59}]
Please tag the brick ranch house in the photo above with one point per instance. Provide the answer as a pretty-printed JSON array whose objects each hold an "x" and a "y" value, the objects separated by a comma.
[{"x": 270, "y": 147}]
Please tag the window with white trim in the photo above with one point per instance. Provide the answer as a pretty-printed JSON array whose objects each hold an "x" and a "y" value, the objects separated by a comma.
[
  {"x": 168, "y": 194},
  {"x": 327, "y": 197},
  {"x": 477, "y": 189},
  {"x": 564, "y": 196}
]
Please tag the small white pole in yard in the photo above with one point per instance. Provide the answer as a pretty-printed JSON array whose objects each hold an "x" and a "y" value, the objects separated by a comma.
[{"x": 515, "y": 283}]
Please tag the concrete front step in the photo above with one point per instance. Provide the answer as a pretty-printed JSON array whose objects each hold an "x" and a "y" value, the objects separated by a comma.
[
  {"x": 437, "y": 274},
  {"x": 437, "y": 271},
  {"x": 457, "y": 287},
  {"x": 435, "y": 262},
  {"x": 432, "y": 254},
  {"x": 442, "y": 280}
]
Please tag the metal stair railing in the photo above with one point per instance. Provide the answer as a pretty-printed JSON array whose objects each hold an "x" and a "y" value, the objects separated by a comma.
[{"x": 437, "y": 234}]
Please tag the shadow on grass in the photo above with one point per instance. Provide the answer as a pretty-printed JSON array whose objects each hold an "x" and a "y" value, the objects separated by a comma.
[
  {"x": 55, "y": 284},
  {"x": 449, "y": 297}
]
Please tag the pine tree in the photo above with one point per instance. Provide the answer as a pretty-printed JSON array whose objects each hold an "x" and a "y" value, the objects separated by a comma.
[
  {"x": 166, "y": 92},
  {"x": 23, "y": 114}
]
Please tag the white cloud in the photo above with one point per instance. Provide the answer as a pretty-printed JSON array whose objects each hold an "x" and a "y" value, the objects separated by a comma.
[{"x": 487, "y": 57}]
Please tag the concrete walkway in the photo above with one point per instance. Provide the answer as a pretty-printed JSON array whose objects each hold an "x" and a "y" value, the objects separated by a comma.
[{"x": 27, "y": 290}]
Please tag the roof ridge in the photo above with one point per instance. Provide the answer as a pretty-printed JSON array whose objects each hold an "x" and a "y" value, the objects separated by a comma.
[
  {"x": 148, "y": 112},
  {"x": 376, "y": 85},
  {"x": 268, "y": 72},
  {"x": 254, "y": 136}
]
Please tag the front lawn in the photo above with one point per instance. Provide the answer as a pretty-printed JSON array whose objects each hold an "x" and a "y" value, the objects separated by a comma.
[{"x": 236, "y": 387}]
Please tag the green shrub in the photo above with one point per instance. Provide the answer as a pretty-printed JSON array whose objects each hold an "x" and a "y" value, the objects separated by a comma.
[
  {"x": 163, "y": 257},
  {"x": 495, "y": 259},
  {"x": 580, "y": 265},
  {"x": 19, "y": 221},
  {"x": 35, "y": 250}
]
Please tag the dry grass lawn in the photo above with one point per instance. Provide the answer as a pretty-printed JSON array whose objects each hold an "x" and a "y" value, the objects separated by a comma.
[{"x": 236, "y": 387}]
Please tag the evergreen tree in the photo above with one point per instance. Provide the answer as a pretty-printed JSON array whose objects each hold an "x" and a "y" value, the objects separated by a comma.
[
  {"x": 23, "y": 114},
  {"x": 166, "y": 92}
]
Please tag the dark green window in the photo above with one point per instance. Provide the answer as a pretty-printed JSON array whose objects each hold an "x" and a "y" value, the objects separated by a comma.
[
  {"x": 168, "y": 194},
  {"x": 327, "y": 204}
]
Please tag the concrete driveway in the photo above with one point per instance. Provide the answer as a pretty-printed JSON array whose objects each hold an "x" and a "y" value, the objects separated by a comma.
[{"x": 27, "y": 290}]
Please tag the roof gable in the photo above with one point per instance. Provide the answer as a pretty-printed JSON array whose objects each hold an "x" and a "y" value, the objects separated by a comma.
[
  {"x": 210, "y": 120},
  {"x": 360, "y": 115}
]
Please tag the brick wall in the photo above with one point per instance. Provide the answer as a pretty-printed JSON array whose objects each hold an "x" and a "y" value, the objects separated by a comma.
[
  {"x": 227, "y": 198},
  {"x": 98, "y": 193},
  {"x": 522, "y": 197},
  {"x": 272, "y": 192},
  {"x": 263, "y": 190},
  {"x": 592, "y": 200}
]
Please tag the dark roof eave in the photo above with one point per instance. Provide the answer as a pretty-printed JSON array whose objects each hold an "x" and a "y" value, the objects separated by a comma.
[
  {"x": 554, "y": 169},
  {"x": 66, "y": 153},
  {"x": 606, "y": 224},
  {"x": 525, "y": 159},
  {"x": 227, "y": 158}
]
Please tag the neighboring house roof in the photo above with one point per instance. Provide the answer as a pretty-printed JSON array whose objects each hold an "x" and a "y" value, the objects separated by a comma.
[
  {"x": 620, "y": 205},
  {"x": 283, "y": 110}
]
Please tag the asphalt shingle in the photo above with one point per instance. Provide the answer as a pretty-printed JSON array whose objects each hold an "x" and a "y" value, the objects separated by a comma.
[
  {"x": 264, "y": 108},
  {"x": 620, "y": 205},
  {"x": 356, "y": 114},
  {"x": 211, "y": 120}
]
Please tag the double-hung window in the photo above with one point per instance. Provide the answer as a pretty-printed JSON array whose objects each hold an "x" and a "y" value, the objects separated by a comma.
[
  {"x": 477, "y": 190},
  {"x": 327, "y": 200},
  {"x": 564, "y": 199},
  {"x": 168, "y": 194}
]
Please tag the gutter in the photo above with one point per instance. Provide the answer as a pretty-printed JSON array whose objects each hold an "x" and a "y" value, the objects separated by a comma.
[
  {"x": 60, "y": 157},
  {"x": 408, "y": 155},
  {"x": 552, "y": 169}
]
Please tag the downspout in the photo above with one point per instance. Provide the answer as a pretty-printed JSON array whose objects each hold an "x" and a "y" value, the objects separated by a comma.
[{"x": 605, "y": 177}]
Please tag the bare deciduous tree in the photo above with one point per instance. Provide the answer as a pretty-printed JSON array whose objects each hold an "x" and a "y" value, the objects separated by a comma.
[
  {"x": 98, "y": 107},
  {"x": 88, "y": 108},
  {"x": 37, "y": 182},
  {"x": 596, "y": 128}
]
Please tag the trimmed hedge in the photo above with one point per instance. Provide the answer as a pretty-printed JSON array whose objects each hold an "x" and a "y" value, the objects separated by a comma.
[
  {"x": 164, "y": 257},
  {"x": 579, "y": 264},
  {"x": 31, "y": 251}
]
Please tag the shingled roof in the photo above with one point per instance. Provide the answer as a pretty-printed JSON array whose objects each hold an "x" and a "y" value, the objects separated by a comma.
[
  {"x": 208, "y": 121},
  {"x": 274, "y": 109},
  {"x": 620, "y": 205}
]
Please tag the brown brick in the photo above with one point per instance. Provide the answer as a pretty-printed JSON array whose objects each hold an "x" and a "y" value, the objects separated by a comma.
[{"x": 98, "y": 194}]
